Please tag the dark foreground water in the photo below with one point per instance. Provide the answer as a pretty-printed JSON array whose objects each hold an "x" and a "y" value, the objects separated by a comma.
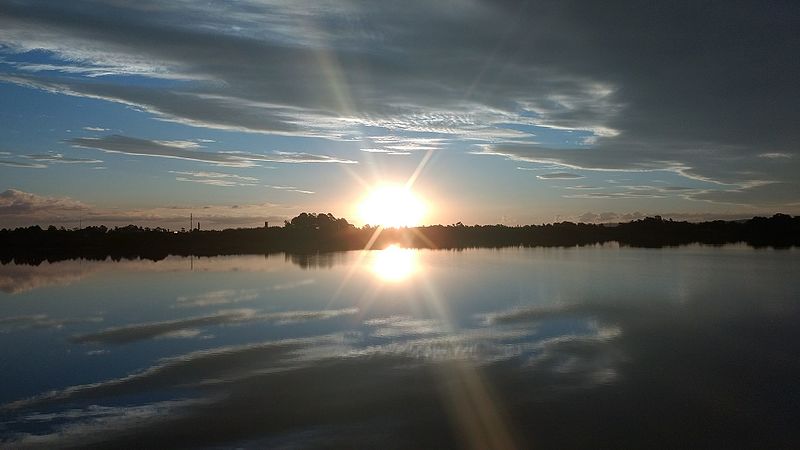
[{"x": 598, "y": 347}]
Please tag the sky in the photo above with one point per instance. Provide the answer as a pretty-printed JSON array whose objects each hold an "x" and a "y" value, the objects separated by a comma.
[{"x": 514, "y": 112}]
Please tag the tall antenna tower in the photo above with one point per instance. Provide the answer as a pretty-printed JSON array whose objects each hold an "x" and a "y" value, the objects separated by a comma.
[{"x": 191, "y": 222}]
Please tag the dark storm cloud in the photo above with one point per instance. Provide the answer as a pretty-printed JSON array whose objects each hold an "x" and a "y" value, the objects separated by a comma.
[{"x": 705, "y": 90}]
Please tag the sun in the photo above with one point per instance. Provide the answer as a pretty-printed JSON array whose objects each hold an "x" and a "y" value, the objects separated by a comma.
[{"x": 392, "y": 207}]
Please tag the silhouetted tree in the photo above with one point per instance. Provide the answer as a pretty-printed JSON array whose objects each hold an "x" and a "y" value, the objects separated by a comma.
[{"x": 311, "y": 233}]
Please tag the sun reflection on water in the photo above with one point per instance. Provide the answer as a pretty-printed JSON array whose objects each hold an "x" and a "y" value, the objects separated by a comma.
[{"x": 394, "y": 264}]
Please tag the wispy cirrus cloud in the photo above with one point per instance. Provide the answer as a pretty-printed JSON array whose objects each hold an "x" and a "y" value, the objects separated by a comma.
[
  {"x": 21, "y": 164},
  {"x": 616, "y": 195},
  {"x": 215, "y": 178},
  {"x": 59, "y": 158},
  {"x": 289, "y": 189},
  {"x": 384, "y": 151},
  {"x": 559, "y": 176},
  {"x": 231, "y": 180},
  {"x": 583, "y": 187},
  {"x": 188, "y": 151},
  {"x": 179, "y": 327},
  {"x": 41, "y": 160},
  {"x": 14, "y": 323},
  {"x": 218, "y": 297}
]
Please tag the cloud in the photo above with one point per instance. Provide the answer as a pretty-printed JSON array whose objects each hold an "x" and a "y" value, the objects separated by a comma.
[
  {"x": 776, "y": 195},
  {"x": 42, "y": 160},
  {"x": 403, "y": 145},
  {"x": 606, "y": 217},
  {"x": 137, "y": 332},
  {"x": 21, "y": 164},
  {"x": 404, "y": 326},
  {"x": 582, "y": 187},
  {"x": 616, "y": 195},
  {"x": 98, "y": 129},
  {"x": 559, "y": 176},
  {"x": 17, "y": 203},
  {"x": 664, "y": 89},
  {"x": 238, "y": 363},
  {"x": 614, "y": 217},
  {"x": 627, "y": 159},
  {"x": 231, "y": 378},
  {"x": 215, "y": 178},
  {"x": 13, "y": 323},
  {"x": 18, "y": 208},
  {"x": 350, "y": 390},
  {"x": 384, "y": 151},
  {"x": 59, "y": 158},
  {"x": 293, "y": 284},
  {"x": 18, "y": 278},
  {"x": 289, "y": 189},
  {"x": 230, "y": 180},
  {"x": 23, "y": 277},
  {"x": 186, "y": 369},
  {"x": 329, "y": 85},
  {"x": 180, "y": 150},
  {"x": 212, "y": 182},
  {"x": 531, "y": 314},
  {"x": 775, "y": 155},
  {"x": 220, "y": 297},
  {"x": 93, "y": 420}
]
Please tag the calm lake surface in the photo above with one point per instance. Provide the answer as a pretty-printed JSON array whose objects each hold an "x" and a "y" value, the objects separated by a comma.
[{"x": 589, "y": 347}]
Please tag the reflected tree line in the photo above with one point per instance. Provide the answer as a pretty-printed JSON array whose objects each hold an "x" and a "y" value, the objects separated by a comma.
[{"x": 314, "y": 233}]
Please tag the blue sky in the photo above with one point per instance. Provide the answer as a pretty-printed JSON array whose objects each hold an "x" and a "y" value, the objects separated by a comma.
[{"x": 241, "y": 112}]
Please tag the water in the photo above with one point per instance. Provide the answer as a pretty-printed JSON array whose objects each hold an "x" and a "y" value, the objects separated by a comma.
[{"x": 547, "y": 348}]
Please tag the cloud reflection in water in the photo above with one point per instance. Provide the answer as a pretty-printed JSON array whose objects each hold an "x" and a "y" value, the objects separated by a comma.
[{"x": 714, "y": 367}]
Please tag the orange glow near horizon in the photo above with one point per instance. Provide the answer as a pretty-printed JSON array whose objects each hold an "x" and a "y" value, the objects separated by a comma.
[{"x": 392, "y": 206}]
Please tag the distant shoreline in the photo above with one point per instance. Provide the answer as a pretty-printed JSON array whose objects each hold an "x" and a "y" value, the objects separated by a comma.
[{"x": 311, "y": 233}]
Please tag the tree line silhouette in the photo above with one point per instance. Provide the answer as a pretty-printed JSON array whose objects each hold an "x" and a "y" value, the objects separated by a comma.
[{"x": 312, "y": 233}]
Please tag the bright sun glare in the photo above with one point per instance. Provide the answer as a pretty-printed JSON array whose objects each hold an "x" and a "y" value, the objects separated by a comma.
[
  {"x": 394, "y": 263},
  {"x": 392, "y": 206}
]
